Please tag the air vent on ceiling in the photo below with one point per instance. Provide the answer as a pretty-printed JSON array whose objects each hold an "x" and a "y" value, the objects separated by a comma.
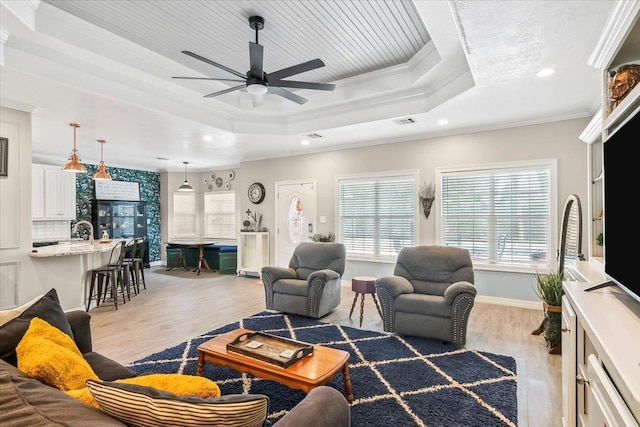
[
  {"x": 314, "y": 135},
  {"x": 405, "y": 121}
]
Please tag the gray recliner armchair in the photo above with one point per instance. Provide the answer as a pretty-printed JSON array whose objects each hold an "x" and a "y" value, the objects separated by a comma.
[
  {"x": 430, "y": 294},
  {"x": 311, "y": 285}
]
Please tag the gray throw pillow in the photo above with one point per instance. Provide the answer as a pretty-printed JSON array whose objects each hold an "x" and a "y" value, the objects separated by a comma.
[{"x": 46, "y": 308}]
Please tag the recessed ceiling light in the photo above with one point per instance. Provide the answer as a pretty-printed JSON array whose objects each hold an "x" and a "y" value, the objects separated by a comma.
[
  {"x": 443, "y": 122},
  {"x": 207, "y": 138},
  {"x": 545, "y": 72},
  {"x": 304, "y": 142}
]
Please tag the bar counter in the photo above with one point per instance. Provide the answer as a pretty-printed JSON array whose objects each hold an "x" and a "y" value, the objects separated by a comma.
[
  {"x": 67, "y": 267},
  {"x": 73, "y": 248}
]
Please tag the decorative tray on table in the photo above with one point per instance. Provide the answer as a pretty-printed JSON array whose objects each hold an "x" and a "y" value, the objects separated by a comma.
[{"x": 268, "y": 348}]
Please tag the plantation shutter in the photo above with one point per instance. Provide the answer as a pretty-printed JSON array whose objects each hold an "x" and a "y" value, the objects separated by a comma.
[
  {"x": 377, "y": 216},
  {"x": 184, "y": 215},
  {"x": 501, "y": 216},
  {"x": 220, "y": 215}
]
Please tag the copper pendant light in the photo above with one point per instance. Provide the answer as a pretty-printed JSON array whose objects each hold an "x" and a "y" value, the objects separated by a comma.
[
  {"x": 101, "y": 173},
  {"x": 74, "y": 164}
]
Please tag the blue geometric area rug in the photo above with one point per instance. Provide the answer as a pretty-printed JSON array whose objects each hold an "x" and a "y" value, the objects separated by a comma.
[{"x": 396, "y": 381}]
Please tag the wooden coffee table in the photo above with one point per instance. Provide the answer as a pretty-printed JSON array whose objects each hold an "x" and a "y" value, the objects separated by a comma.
[{"x": 306, "y": 374}]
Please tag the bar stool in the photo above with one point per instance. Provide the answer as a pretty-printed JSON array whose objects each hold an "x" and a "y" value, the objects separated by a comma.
[
  {"x": 108, "y": 278},
  {"x": 138, "y": 262},
  {"x": 129, "y": 265}
]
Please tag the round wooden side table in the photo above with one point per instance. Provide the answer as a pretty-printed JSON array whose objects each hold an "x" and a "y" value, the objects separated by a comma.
[{"x": 363, "y": 285}]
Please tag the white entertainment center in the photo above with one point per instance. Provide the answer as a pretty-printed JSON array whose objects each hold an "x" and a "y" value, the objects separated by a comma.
[
  {"x": 600, "y": 353},
  {"x": 601, "y": 328}
]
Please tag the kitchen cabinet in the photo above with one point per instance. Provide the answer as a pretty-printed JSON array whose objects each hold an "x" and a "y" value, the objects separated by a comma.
[
  {"x": 53, "y": 193},
  {"x": 121, "y": 220},
  {"x": 253, "y": 252}
]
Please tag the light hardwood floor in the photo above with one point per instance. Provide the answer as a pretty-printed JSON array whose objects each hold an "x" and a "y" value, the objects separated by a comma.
[{"x": 179, "y": 305}]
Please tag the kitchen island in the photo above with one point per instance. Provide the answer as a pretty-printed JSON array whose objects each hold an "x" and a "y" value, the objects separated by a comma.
[{"x": 67, "y": 266}]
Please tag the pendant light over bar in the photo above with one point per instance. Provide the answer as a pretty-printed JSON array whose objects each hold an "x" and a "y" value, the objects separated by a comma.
[
  {"x": 185, "y": 185},
  {"x": 101, "y": 173},
  {"x": 74, "y": 164}
]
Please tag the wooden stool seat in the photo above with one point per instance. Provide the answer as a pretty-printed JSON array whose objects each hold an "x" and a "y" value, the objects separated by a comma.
[{"x": 363, "y": 285}]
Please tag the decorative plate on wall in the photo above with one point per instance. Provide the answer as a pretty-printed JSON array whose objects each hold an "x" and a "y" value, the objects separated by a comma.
[
  {"x": 256, "y": 193},
  {"x": 227, "y": 186},
  {"x": 212, "y": 176},
  {"x": 210, "y": 187},
  {"x": 218, "y": 181},
  {"x": 231, "y": 175}
]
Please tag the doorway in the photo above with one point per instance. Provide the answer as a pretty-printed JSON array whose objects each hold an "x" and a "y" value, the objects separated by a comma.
[{"x": 295, "y": 217}]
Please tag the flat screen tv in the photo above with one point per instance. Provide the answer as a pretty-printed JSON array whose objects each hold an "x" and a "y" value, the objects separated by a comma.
[{"x": 620, "y": 231}]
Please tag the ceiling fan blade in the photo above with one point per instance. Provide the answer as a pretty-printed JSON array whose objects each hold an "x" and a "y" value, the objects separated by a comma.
[
  {"x": 256, "y": 59},
  {"x": 257, "y": 100},
  {"x": 295, "y": 69},
  {"x": 208, "y": 78},
  {"x": 222, "y": 92},
  {"x": 303, "y": 85},
  {"x": 286, "y": 94},
  {"x": 215, "y": 64}
]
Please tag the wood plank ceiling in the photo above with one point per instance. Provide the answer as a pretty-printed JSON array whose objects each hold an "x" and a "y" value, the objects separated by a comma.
[{"x": 352, "y": 38}]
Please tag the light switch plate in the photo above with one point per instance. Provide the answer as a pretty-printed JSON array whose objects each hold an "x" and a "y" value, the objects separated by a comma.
[{"x": 323, "y": 220}]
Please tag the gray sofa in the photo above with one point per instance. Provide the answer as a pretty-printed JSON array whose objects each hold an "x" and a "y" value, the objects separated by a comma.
[
  {"x": 25, "y": 401},
  {"x": 311, "y": 285},
  {"x": 430, "y": 294}
]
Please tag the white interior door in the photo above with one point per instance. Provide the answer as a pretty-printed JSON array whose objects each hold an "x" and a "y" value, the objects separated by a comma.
[{"x": 295, "y": 217}]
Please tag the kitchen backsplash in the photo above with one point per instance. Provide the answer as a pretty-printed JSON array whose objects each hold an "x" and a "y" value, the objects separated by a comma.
[{"x": 47, "y": 231}]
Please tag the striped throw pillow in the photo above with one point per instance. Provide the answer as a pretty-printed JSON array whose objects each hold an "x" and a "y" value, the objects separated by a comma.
[{"x": 141, "y": 406}]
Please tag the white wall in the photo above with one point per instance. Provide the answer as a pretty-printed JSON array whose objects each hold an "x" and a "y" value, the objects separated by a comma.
[
  {"x": 18, "y": 281},
  {"x": 558, "y": 140}
]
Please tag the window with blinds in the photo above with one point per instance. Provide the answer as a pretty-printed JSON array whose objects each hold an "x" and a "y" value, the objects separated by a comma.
[
  {"x": 220, "y": 215},
  {"x": 184, "y": 215},
  {"x": 377, "y": 214},
  {"x": 501, "y": 215}
]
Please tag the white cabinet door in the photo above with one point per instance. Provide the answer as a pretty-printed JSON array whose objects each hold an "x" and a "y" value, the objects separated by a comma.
[
  {"x": 37, "y": 193},
  {"x": 53, "y": 193},
  {"x": 67, "y": 194},
  {"x": 606, "y": 406},
  {"x": 569, "y": 344}
]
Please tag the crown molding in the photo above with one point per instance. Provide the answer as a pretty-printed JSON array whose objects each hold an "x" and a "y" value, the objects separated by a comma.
[
  {"x": 622, "y": 18},
  {"x": 593, "y": 130}
]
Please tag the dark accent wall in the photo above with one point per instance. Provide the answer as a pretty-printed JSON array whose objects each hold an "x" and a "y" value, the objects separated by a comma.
[{"x": 149, "y": 192}]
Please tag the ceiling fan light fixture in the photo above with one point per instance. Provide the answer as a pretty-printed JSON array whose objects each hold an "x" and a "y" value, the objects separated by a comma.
[
  {"x": 185, "y": 185},
  {"x": 74, "y": 164},
  {"x": 257, "y": 89}
]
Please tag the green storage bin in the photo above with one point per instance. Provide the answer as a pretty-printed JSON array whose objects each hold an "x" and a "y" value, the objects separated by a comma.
[{"x": 228, "y": 262}]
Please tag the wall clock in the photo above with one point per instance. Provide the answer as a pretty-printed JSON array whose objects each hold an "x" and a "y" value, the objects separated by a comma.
[{"x": 256, "y": 193}]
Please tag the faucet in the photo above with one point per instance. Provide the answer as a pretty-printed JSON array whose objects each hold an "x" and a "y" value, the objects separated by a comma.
[{"x": 75, "y": 229}]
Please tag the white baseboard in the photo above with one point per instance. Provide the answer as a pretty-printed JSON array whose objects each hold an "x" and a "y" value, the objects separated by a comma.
[{"x": 519, "y": 303}]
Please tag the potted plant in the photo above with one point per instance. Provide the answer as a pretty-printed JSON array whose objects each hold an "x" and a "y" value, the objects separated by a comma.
[
  {"x": 549, "y": 290},
  {"x": 319, "y": 237}
]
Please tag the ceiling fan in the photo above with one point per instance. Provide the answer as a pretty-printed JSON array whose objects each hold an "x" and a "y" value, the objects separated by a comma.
[{"x": 258, "y": 82}]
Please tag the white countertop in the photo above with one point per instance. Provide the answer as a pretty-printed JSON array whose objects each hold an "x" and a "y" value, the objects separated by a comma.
[{"x": 73, "y": 248}]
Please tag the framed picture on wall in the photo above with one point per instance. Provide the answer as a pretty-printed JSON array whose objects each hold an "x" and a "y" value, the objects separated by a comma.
[{"x": 4, "y": 156}]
